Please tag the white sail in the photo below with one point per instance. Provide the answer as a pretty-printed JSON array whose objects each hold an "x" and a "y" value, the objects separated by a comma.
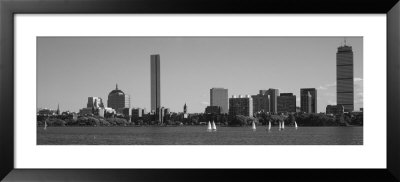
[
  {"x": 213, "y": 126},
  {"x": 280, "y": 125},
  {"x": 269, "y": 126},
  {"x": 254, "y": 126},
  {"x": 209, "y": 126},
  {"x": 295, "y": 124},
  {"x": 45, "y": 125},
  {"x": 283, "y": 125}
]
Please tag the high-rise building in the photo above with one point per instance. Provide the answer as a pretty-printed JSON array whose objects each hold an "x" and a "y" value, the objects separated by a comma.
[
  {"x": 167, "y": 111},
  {"x": 345, "y": 78},
  {"x": 261, "y": 102},
  {"x": 263, "y": 92},
  {"x": 273, "y": 100},
  {"x": 162, "y": 113},
  {"x": 117, "y": 99},
  {"x": 95, "y": 102},
  {"x": 308, "y": 100},
  {"x": 243, "y": 105},
  {"x": 219, "y": 97},
  {"x": 137, "y": 113},
  {"x": 155, "y": 83},
  {"x": 286, "y": 103}
]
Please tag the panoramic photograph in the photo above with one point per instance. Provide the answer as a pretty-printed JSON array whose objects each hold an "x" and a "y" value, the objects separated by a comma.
[{"x": 199, "y": 91}]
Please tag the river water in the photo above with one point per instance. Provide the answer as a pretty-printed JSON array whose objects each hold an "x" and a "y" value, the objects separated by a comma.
[{"x": 198, "y": 135}]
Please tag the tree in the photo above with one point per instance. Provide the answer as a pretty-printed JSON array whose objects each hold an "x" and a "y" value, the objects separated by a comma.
[{"x": 290, "y": 119}]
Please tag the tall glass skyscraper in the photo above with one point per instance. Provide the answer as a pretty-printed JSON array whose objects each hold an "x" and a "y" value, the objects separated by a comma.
[
  {"x": 307, "y": 95},
  {"x": 155, "y": 83},
  {"x": 345, "y": 78},
  {"x": 273, "y": 100},
  {"x": 219, "y": 97}
]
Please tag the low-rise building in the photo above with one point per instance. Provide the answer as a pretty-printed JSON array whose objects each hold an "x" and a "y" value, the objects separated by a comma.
[
  {"x": 137, "y": 112},
  {"x": 334, "y": 109},
  {"x": 86, "y": 111},
  {"x": 213, "y": 110},
  {"x": 47, "y": 112}
]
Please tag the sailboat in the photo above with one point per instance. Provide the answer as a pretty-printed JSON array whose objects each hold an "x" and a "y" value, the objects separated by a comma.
[
  {"x": 45, "y": 125},
  {"x": 214, "y": 128},
  {"x": 209, "y": 126},
  {"x": 269, "y": 126},
  {"x": 280, "y": 125},
  {"x": 254, "y": 126},
  {"x": 295, "y": 125},
  {"x": 283, "y": 125}
]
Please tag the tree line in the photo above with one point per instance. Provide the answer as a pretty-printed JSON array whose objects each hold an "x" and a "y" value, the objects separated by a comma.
[{"x": 175, "y": 119}]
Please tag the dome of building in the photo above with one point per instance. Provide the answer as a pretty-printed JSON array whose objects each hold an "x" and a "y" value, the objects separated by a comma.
[
  {"x": 116, "y": 91},
  {"x": 117, "y": 99}
]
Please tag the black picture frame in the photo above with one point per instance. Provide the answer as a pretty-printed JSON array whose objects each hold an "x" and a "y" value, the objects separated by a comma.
[{"x": 9, "y": 8}]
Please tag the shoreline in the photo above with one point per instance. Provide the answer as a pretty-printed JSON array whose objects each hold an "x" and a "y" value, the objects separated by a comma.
[{"x": 152, "y": 126}]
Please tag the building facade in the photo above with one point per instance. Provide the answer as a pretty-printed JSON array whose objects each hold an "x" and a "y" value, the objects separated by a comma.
[
  {"x": 46, "y": 112},
  {"x": 137, "y": 112},
  {"x": 219, "y": 97},
  {"x": 94, "y": 102},
  {"x": 213, "y": 110},
  {"x": 242, "y": 105},
  {"x": 86, "y": 111},
  {"x": 273, "y": 100},
  {"x": 334, "y": 109},
  {"x": 127, "y": 112},
  {"x": 306, "y": 102},
  {"x": 307, "y": 94},
  {"x": 155, "y": 83},
  {"x": 117, "y": 99},
  {"x": 261, "y": 102},
  {"x": 286, "y": 103},
  {"x": 345, "y": 78}
]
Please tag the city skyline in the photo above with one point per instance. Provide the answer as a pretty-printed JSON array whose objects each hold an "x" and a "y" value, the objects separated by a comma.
[{"x": 192, "y": 67}]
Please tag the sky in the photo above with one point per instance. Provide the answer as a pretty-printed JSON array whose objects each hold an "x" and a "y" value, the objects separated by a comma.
[{"x": 71, "y": 69}]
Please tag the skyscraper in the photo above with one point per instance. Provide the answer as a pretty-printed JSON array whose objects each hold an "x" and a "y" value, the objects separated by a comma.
[
  {"x": 306, "y": 100},
  {"x": 305, "y": 95},
  {"x": 261, "y": 102},
  {"x": 241, "y": 106},
  {"x": 286, "y": 103},
  {"x": 219, "y": 97},
  {"x": 345, "y": 78},
  {"x": 273, "y": 99},
  {"x": 155, "y": 82},
  {"x": 117, "y": 99},
  {"x": 94, "y": 102}
]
